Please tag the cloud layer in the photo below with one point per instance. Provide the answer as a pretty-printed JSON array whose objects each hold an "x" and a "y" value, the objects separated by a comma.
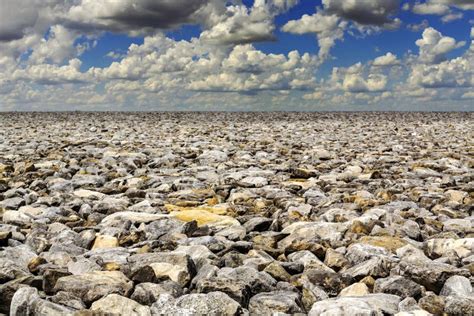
[{"x": 42, "y": 44}]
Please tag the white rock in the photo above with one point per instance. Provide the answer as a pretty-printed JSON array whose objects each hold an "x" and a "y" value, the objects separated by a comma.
[
  {"x": 458, "y": 286},
  {"x": 135, "y": 217},
  {"x": 82, "y": 193},
  {"x": 119, "y": 305}
]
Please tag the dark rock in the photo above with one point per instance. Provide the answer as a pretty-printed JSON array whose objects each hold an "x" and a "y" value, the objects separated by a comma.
[
  {"x": 237, "y": 290},
  {"x": 399, "y": 286},
  {"x": 148, "y": 293},
  {"x": 50, "y": 277},
  {"x": 432, "y": 303}
]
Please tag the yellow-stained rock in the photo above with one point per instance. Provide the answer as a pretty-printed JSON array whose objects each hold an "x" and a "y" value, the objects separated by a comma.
[
  {"x": 277, "y": 272},
  {"x": 212, "y": 201},
  {"x": 369, "y": 281},
  {"x": 357, "y": 227},
  {"x": 175, "y": 272},
  {"x": 144, "y": 249},
  {"x": 456, "y": 196},
  {"x": 187, "y": 203},
  {"x": 35, "y": 263},
  {"x": 335, "y": 260},
  {"x": 104, "y": 241},
  {"x": 130, "y": 239},
  {"x": 304, "y": 183},
  {"x": 5, "y": 168},
  {"x": 219, "y": 209},
  {"x": 385, "y": 195},
  {"x": 204, "y": 217},
  {"x": 356, "y": 289},
  {"x": 111, "y": 266},
  {"x": 260, "y": 205},
  {"x": 387, "y": 242}
]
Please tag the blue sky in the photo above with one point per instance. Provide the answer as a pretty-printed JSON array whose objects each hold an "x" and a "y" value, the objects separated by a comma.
[
  {"x": 232, "y": 55},
  {"x": 352, "y": 50}
]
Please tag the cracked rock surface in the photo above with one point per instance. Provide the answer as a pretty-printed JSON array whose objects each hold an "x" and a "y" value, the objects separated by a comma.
[{"x": 236, "y": 213}]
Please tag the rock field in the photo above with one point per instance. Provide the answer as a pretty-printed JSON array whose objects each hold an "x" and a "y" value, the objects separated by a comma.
[{"x": 236, "y": 214}]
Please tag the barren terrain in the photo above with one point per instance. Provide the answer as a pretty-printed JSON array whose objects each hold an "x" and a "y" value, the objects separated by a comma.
[{"x": 236, "y": 213}]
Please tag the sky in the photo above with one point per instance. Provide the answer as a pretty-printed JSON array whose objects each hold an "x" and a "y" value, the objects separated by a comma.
[{"x": 233, "y": 55}]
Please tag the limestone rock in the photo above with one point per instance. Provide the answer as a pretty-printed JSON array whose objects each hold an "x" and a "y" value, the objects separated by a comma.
[
  {"x": 399, "y": 286},
  {"x": 94, "y": 285},
  {"x": 104, "y": 241},
  {"x": 213, "y": 304},
  {"x": 356, "y": 289},
  {"x": 148, "y": 293},
  {"x": 457, "y": 286},
  {"x": 372, "y": 304},
  {"x": 177, "y": 266},
  {"x": 27, "y": 301},
  {"x": 275, "y": 302},
  {"x": 118, "y": 305}
]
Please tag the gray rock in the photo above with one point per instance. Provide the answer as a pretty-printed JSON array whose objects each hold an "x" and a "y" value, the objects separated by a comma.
[
  {"x": 212, "y": 304},
  {"x": 17, "y": 218},
  {"x": 253, "y": 182},
  {"x": 110, "y": 205},
  {"x": 87, "y": 180},
  {"x": 416, "y": 266},
  {"x": 82, "y": 265},
  {"x": 27, "y": 301},
  {"x": 238, "y": 290},
  {"x": 457, "y": 286},
  {"x": 109, "y": 255},
  {"x": 357, "y": 252},
  {"x": 275, "y": 302},
  {"x": 306, "y": 257},
  {"x": 8, "y": 289},
  {"x": 68, "y": 300},
  {"x": 135, "y": 217},
  {"x": 461, "y": 226},
  {"x": 91, "y": 286},
  {"x": 311, "y": 293},
  {"x": 398, "y": 285},
  {"x": 213, "y": 156},
  {"x": 331, "y": 232},
  {"x": 148, "y": 293},
  {"x": 198, "y": 253},
  {"x": 206, "y": 271},
  {"x": 10, "y": 270},
  {"x": 258, "y": 224},
  {"x": 438, "y": 247},
  {"x": 234, "y": 233},
  {"x": 13, "y": 203},
  {"x": 459, "y": 305},
  {"x": 431, "y": 275},
  {"x": 408, "y": 304},
  {"x": 372, "y": 304},
  {"x": 257, "y": 281},
  {"x": 177, "y": 266},
  {"x": 118, "y": 305},
  {"x": 375, "y": 267}
]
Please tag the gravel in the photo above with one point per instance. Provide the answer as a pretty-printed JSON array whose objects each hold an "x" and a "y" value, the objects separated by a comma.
[{"x": 236, "y": 213}]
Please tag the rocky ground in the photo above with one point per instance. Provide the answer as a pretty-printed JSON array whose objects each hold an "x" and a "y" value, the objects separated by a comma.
[{"x": 231, "y": 214}]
